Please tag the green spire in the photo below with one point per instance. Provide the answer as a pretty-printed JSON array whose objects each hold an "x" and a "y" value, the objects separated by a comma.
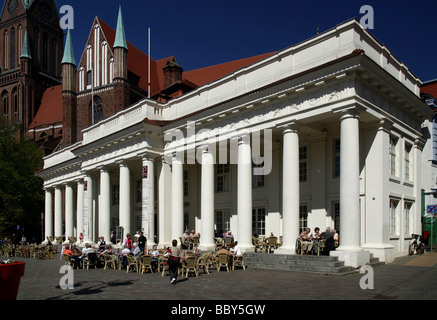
[
  {"x": 68, "y": 52},
  {"x": 28, "y": 3},
  {"x": 120, "y": 36},
  {"x": 25, "y": 52}
]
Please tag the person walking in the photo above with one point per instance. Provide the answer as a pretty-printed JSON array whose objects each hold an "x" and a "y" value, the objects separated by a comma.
[{"x": 174, "y": 261}]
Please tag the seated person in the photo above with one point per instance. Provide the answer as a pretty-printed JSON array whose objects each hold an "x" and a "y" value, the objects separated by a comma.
[
  {"x": 89, "y": 253},
  {"x": 235, "y": 250},
  {"x": 329, "y": 240},
  {"x": 307, "y": 243},
  {"x": 155, "y": 254},
  {"x": 136, "y": 251}
]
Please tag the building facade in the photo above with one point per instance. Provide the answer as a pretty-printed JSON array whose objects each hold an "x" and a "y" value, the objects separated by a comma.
[{"x": 327, "y": 133}]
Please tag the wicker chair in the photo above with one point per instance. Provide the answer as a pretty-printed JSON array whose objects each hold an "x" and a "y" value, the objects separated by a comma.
[
  {"x": 258, "y": 244},
  {"x": 67, "y": 259},
  {"x": 321, "y": 246},
  {"x": 191, "y": 265},
  {"x": 146, "y": 263},
  {"x": 218, "y": 243},
  {"x": 271, "y": 243},
  {"x": 195, "y": 242},
  {"x": 110, "y": 261},
  {"x": 223, "y": 261},
  {"x": 132, "y": 263},
  {"x": 89, "y": 259},
  {"x": 238, "y": 261},
  {"x": 203, "y": 262}
]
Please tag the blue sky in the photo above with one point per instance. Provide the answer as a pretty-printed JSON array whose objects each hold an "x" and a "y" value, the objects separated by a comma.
[{"x": 200, "y": 33}]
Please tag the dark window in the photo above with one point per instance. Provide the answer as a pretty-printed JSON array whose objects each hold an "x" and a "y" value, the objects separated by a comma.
[
  {"x": 98, "y": 110},
  {"x": 13, "y": 53}
]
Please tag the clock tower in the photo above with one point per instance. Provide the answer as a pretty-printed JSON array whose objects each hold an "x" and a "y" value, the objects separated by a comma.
[{"x": 30, "y": 57}]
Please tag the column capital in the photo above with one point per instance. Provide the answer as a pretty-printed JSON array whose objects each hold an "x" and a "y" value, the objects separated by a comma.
[
  {"x": 290, "y": 126},
  {"x": 349, "y": 111},
  {"x": 148, "y": 156}
]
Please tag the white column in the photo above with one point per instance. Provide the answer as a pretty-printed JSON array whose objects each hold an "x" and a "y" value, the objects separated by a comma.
[
  {"x": 48, "y": 232},
  {"x": 349, "y": 182},
  {"x": 125, "y": 199},
  {"x": 58, "y": 212},
  {"x": 148, "y": 200},
  {"x": 105, "y": 205},
  {"x": 244, "y": 189},
  {"x": 350, "y": 250},
  {"x": 69, "y": 223},
  {"x": 290, "y": 188},
  {"x": 80, "y": 209},
  {"x": 88, "y": 210},
  {"x": 207, "y": 200},
  {"x": 177, "y": 199}
]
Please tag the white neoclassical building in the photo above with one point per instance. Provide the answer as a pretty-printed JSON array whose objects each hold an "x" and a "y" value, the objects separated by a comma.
[{"x": 323, "y": 133}]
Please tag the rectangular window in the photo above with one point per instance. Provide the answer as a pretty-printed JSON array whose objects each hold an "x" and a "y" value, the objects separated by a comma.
[
  {"x": 407, "y": 217},
  {"x": 139, "y": 190},
  {"x": 303, "y": 164},
  {"x": 222, "y": 178},
  {"x": 187, "y": 220},
  {"x": 393, "y": 143},
  {"x": 434, "y": 138},
  {"x": 393, "y": 217},
  {"x": 408, "y": 175},
  {"x": 222, "y": 221},
  {"x": 336, "y": 214},
  {"x": 336, "y": 170},
  {"x": 259, "y": 221},
  {"x": 303, "y": 217},
  {"x": 186, "y": 188},
  {"x": 115, "y": 194},
  {"x": 258, "y": 181}
]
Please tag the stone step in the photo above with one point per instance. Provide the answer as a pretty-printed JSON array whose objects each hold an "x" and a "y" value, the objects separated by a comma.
[{"x": 297, "y": 263}]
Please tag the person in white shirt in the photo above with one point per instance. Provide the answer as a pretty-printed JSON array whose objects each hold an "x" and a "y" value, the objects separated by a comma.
[{"x": 235, "y": 250}]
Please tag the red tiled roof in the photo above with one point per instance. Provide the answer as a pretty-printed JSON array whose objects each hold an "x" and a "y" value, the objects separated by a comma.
[
  {"x": 430, "y": 88},
  {"x": 209, "y": 74},
  {"x": 50, "y": 110}
]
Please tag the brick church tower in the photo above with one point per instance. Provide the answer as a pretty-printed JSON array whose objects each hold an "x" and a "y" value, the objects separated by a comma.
[{"x": 30, "y": 57}]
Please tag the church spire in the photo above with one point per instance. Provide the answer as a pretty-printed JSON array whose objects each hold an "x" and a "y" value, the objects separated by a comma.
[
  {"x": 68, "y": 52},
  {"x": 120, "y": 36},
  {"x": 25, "y": 52}
]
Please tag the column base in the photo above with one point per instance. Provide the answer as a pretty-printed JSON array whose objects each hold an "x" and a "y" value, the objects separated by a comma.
[
  {"x": 207, "y": 247},
  {"x": 282, "y": 250},
  {"x": 352, "y": 258},
  {"x": 246, "y": 248},
  {"x": 384, "y": 252}
]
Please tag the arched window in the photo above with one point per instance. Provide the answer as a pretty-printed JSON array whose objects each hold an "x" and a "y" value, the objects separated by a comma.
[
  {"x": 98, "y": 110},
  {"x": 20, "y": 42},
  {"x": 13, "y": 52},
  {"x": 6, "y": 52},
  {"x": 14, "y": 108},
  {"x": 5, "y": 103},
  {"x": 45, "y": 52}
]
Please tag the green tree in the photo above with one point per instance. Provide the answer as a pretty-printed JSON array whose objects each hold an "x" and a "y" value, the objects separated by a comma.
[{"x": 21, "y": 193}]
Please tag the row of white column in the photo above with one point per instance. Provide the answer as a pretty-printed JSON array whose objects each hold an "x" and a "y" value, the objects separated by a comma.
[
  {"x": 349, "y": 194},
  {"x": 86, "y": 197}
]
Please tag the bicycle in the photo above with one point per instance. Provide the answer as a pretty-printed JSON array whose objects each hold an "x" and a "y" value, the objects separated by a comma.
[{"x": 416, "y": 246}]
